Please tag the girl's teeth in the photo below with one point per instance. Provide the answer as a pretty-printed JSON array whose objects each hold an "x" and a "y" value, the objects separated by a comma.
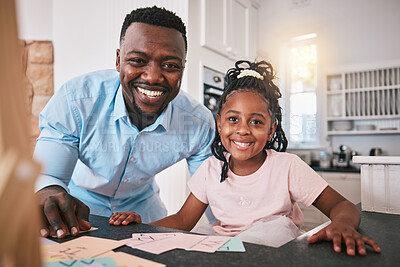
[
  {"x": 150, "y": 93},
  {"x": 242, "y": 144}
]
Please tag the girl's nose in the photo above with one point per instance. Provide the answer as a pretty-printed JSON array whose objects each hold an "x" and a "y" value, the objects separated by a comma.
[
  {"x": 242, "y": 128},
  {"x": 152, "y": 74}
]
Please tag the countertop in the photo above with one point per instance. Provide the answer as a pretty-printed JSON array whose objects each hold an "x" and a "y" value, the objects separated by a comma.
[
  {"x": 383, "y": 228},
  {"x": 335, "y": 169}
]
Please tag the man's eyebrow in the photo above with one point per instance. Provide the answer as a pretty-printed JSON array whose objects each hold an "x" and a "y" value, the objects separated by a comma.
[
  {"x": 144, "y": 54},
  {"x": 137, "y": 52}
]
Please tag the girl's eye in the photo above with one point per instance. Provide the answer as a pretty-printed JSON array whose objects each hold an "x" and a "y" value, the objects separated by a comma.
[{"x": 232, "y": 119}]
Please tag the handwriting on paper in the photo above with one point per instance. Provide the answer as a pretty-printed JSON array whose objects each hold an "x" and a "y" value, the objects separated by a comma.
[
  {"x": 80, "y": 248},
  {"x": 101, "y": 261}
]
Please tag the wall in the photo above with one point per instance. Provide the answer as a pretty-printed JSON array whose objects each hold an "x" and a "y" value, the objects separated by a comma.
[{"x": 356, "y": 32}]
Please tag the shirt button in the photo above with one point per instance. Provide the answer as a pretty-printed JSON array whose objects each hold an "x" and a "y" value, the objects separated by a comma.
[
  {"x": 131, "y": 159},
  {"x": 139, "y": 135},
  {"x": 125, "y": 180},
  {"x": 114, "y": 208}
]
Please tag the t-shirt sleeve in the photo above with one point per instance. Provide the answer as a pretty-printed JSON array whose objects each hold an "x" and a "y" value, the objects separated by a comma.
[
  {"x": 197, "y": 184},
  {"x": 305, "y": 184}
]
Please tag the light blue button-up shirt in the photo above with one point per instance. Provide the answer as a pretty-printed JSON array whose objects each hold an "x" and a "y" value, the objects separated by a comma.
[{"x": 89, "y": 146}]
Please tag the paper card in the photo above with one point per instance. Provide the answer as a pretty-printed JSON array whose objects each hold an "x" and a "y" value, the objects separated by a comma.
[
  {"x": 80, "y": 248},
  {"x": 234, "y": 244},
  {"x": 81, "y": 231},
  {"x": 144, "y": 238},
  {"x": 45, "y": 241},
  {"x": 126, "y": 260},
  {"x": 185, "y": 241},
  {"x": 209, "y": 244},
  {"x": 155, "y": 243},
  {"x": 101, "y": 261}
]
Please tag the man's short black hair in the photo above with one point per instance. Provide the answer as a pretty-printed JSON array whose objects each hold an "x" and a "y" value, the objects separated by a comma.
[{"x": 154, "y": 16}]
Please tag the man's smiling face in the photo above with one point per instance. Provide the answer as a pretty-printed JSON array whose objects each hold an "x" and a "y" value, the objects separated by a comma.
[{"x": 151, "y": 60}]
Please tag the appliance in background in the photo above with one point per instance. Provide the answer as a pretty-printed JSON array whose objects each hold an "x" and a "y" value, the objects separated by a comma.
[{"x": 214, "y": 82}]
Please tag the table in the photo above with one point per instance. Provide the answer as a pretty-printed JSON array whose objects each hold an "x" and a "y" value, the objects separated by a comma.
[{"x": 383, "y": 228}]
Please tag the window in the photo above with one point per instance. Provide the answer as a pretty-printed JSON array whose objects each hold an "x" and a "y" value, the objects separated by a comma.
[{"x": 300, "y": 88}]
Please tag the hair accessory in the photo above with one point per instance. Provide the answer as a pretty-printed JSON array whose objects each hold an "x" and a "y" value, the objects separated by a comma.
[{"x": 248, "y": 72}]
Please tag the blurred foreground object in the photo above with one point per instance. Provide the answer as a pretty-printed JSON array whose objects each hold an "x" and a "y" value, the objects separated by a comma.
[{"x": 19, "y": 221}]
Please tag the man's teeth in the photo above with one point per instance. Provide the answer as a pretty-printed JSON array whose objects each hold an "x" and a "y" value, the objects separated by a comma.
[
  {"x": 150, "y": 93},
  {"x": 242, "y": 144}
]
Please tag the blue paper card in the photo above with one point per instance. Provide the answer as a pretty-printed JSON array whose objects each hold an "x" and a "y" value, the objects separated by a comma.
[
  {"x": 234, "y": 244},
  {"x": 104, "y": 261}
]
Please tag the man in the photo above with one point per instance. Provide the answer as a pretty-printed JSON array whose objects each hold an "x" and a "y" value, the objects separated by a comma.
[{"x": 106, "y": 134}]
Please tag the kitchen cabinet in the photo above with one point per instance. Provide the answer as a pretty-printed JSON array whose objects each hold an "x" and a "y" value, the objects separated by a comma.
[
  {"x": 345, "y": 183},
  {"x": 364, "y": 101},
  {"x": 229, "y": 27}
]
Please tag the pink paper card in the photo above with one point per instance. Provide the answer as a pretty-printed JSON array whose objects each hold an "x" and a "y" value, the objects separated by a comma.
[
  {"x": 152, "y": 242},
  {"x": 186, "y": 241},
  {"x": 209, "y": 244},
  {"x": 80, "y": 248}
]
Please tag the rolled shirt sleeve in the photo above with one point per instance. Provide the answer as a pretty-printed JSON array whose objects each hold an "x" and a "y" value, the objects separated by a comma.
[{"x": 57, "y": 145}]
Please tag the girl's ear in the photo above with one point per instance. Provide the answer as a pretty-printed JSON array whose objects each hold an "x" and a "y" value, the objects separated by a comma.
[
  {"x": 218, "y": 120},
  {"x": 272, "y": 130}
]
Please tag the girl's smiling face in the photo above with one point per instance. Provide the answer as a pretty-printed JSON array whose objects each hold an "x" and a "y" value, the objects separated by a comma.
[{"x": 245, "y": 126}]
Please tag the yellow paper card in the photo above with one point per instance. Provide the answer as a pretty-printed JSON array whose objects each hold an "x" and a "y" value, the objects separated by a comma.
[
  {"x": 126, "y": 260},
  {"x": 80, "y": 248}
]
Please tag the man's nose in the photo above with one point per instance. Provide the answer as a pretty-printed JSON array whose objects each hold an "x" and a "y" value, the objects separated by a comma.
[{"x": 152, "y": 74}]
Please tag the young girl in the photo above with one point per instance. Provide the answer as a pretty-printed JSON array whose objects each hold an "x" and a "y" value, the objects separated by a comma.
[{"x": 250, "y": 181}]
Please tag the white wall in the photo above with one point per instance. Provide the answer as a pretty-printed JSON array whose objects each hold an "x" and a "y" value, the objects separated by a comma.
[
  {"x": 352, "y": 32},
  {"x": 35, "y": 19}
]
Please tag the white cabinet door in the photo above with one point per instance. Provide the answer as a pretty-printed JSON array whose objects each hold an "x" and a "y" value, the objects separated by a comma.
[
  {"x": 230, "y": 28},
  {"x": 214, "y": 21},
  {"x": 346, "y": 184}
]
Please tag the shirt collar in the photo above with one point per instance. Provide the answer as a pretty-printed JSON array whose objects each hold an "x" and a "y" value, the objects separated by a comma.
[
  {"x": 119, "y": 106},
  {"x": 163, "y": 120},
  {"x": 120, "y": 111}
]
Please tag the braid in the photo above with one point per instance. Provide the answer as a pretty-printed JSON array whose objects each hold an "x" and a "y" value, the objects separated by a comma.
[
  {"x": 218, "y": 151},
  {"x": 265, "y": 87}
]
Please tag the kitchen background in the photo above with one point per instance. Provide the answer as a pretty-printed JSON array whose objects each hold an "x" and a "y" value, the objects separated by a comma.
[{"x": 356, "y": 43}]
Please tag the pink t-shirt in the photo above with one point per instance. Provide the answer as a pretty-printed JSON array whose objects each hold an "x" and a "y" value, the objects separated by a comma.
[{"x": 273, "y": 189}]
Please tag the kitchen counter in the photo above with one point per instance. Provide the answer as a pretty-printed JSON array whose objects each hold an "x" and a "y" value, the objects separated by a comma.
[
  {"x": 383, "y": 228},
  {"x": 335, "y": 169}
]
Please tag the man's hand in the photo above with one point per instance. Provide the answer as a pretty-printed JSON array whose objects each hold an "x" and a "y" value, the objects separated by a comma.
[{"x": 61, "y": 213}]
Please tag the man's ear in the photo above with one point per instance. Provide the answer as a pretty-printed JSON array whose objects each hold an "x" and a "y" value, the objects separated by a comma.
[{"x": 118, "y": 60}]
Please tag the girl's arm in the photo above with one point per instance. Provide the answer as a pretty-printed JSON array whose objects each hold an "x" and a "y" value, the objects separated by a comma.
[
  {"x": 187, "y": 217},
  {"x": 345, "y": 218}
]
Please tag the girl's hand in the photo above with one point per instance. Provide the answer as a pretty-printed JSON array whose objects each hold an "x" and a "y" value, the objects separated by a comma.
[
  {"x": 341, "y": 232},
  {"x": 125, "y": 218}
]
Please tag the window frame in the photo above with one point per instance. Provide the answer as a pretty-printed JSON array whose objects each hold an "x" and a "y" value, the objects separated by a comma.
[{"x": 301, "y": 40}]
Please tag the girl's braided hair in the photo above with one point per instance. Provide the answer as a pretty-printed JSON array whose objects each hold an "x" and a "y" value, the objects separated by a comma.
[{"x": 264, "y": 87}]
